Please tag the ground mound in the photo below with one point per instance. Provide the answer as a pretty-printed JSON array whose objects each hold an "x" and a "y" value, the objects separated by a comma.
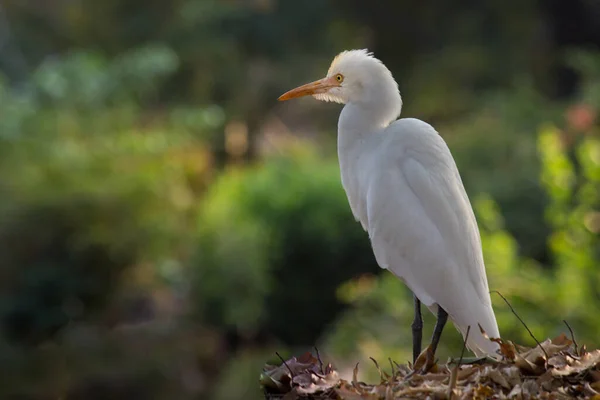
[{"x": 554, "y": 369}]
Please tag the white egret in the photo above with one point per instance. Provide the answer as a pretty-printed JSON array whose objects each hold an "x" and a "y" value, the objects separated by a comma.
[{"x": 403, "y": 186}]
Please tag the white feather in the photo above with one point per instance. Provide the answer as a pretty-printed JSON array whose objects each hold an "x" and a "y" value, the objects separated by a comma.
[
  {"x": 423, "y": 229},
  {"x": 403, "y": 186}
]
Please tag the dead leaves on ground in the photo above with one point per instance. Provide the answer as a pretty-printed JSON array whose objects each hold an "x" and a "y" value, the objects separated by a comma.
[
  {"x": 300, "y": 376},
  {"x": 555, "y": 369}
]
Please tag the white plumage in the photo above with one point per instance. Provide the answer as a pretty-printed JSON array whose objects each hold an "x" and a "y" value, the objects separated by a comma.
[{"x": 403, "y": 186}]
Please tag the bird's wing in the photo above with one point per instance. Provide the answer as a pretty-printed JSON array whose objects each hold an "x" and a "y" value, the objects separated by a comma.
[{"x": 423, "y": 229}]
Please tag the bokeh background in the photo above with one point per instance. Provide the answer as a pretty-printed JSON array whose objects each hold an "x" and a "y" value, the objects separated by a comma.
[{"x": 166, "y": 225}]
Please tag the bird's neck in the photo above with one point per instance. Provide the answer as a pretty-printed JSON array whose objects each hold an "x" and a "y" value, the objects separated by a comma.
[
  {"x": 379, "y": 106},
  {"x": 355, "y": 126},
  {"x": 360, "y": 120}
]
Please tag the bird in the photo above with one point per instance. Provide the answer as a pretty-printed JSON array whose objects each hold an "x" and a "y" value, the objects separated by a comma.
[{"x": 404, "y": 188}]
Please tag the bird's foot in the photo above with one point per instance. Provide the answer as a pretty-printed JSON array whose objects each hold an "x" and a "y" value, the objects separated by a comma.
[{"x": 425, "y": 362}]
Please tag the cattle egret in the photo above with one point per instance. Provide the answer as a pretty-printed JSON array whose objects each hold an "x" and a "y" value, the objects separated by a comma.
[{"x": 403, "y": 186}]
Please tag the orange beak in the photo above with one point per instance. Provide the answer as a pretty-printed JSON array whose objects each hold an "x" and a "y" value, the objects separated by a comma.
[{"x": 316, "y": 87}]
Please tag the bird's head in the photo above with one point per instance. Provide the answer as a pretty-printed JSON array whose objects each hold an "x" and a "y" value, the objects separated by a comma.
[{"x": 355, "y": 76}]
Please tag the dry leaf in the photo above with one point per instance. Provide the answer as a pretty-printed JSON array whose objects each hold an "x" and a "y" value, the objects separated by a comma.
[
  {"x": 497, "y": 377},
  {"x": 355, "y": 374},
  {"x": 426, "y": 357},
  {"x": 587, "y": 361},
  {"x": 523, "y": 373},
  {"x": 483, "y": 392},
  {"x": 562, "y": 339},
  {"x": 312, "y": 383},
  {"x": 347, "y": 394},
  {"x": 527, "y": 367},
  {"x": 530, "y": 387}
]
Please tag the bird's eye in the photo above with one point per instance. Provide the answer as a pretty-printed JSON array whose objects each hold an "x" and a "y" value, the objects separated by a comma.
[{"x": 339, "y": 78}]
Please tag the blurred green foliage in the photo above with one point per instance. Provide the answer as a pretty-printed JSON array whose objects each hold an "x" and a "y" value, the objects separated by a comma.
[
  {"x": 142, "y": 259},
  {"x": 275, "y": 242},
  {"x": 98, "y": 192}
]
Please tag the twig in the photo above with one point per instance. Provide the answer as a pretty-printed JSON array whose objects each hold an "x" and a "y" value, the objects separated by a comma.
[
  {"x": 315, "y": 374},
  {"x": 454, "y": 376},
  {"x": 378, "y": 368},
  {"x": 319, "y": 358},
  {"x": 522, "y": 322},
  {"x": 392, "y": 365},
  {"x": 355, "y": 375},
  {"x": 400, "y": 368},
  {"x": 572, "y": 337},
  {"x": 287, "y": 366}
]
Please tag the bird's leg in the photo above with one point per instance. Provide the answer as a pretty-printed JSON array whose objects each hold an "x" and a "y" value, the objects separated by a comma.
[
  {"x": 442, "y": 318},
  {"x": 417, "y": 329}
]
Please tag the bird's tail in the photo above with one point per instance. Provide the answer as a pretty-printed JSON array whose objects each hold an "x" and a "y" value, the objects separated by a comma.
[{"x": 476, "y": 341}]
